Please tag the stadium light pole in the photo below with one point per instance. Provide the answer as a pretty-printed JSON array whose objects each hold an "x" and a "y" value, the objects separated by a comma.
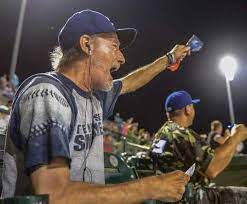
[
  {"x": 15, "y": 52},
  {"x": 228, "y": 67}
]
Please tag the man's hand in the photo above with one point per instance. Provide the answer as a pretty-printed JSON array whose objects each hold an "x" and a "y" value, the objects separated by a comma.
[
  {"x": 225, "y": 152},
  {"x": 227, "y": 133},
  {"x": 170, "y": 187},
  {"x": 240, "y": 132},
  {"x": 180, "y": 52}
]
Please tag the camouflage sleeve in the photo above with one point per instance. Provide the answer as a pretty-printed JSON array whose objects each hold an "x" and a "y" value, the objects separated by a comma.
[{"x": 204, "y": 154}]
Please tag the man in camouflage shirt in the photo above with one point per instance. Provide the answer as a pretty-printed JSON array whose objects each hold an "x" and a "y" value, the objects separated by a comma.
[
  {"x": 183, "y": 148},
  {"x": 176, "y": 146}
]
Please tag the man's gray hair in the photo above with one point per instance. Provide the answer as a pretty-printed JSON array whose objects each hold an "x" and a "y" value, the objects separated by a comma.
[{"x": 61, "y": 58}]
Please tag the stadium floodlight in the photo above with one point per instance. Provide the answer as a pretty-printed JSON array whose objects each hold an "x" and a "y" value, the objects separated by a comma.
[{"x": 228, "y": 67}]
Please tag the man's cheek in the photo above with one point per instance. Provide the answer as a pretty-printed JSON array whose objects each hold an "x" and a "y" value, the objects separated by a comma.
[
  {"x": 104, "y": 49},
  {"x": 102, "y": 60}
]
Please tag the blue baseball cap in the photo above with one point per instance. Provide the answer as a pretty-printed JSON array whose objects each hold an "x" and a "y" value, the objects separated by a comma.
[
  {"x": 179, "y": 99},
  {"x": 92, "y": 22}
]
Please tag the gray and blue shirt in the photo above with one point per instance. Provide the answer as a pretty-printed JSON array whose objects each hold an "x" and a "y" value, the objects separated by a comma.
[{"x": 52, "y": 117}]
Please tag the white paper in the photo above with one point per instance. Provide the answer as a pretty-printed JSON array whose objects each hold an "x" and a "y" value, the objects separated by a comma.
[{"x": 191, "y": 170}]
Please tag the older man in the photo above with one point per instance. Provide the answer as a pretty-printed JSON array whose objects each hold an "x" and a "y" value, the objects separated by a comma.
[
  {"x": 56, "y": 123},
  {"x": 180, "y": 147}
]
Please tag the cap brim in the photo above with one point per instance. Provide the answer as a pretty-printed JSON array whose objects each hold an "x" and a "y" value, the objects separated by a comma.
[
  {"x": 126, "y": 37},
  {"x": 194, "y": 101}
]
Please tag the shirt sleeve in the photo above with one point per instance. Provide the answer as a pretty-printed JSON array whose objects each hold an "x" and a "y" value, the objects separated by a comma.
[
  {"x": 109, "y": 99},
  {"x": 44, "y": 117},
  {"x": 204, "y": 154}
]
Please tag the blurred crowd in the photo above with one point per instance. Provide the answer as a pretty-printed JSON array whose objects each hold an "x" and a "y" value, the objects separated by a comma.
[
  {"x": 127, "y": 131},
  {"x": 120, "y": 134},
  {"x": 7, "y": 91}
]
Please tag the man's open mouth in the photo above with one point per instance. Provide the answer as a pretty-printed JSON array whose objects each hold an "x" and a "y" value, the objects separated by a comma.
[{"x": 113, "y": 69}]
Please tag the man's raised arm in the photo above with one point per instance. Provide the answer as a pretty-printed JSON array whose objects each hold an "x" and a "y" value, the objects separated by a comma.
[
  {"x": 224, "y": 153},
  {"x": 145, "y": 74}
]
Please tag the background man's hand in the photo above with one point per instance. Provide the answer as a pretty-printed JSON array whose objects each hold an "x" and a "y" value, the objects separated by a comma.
[
  {"x": 170, "y": 187},
  {"x": 239, "y": 131},
  {"x": 180, "y": 52},
  {"x": 227, "y": 133}
]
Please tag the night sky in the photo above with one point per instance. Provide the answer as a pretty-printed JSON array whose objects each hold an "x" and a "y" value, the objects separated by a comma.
[{"x": 221, "y": 25}]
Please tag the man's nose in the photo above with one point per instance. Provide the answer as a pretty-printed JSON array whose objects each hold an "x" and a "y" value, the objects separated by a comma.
[{"x": 121, "y": 58}]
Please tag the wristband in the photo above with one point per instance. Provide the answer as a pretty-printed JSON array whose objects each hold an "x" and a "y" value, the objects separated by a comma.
[{"x": 171, "y": 58}]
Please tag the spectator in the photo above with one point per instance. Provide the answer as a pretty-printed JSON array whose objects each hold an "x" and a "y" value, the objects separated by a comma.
[
  {"x": 7, "y": 89},
  {"x": 178, "y": 147},
  {"x": 4, "y": 117},
  {"x": 126, "y": 126},
  {"x": 118, "y": 120},
  {"x": 215, "y": 137},
  {"x": 108, "y": 143}
]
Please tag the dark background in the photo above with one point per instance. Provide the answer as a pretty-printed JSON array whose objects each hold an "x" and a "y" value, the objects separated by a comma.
[{"x": 221, "y": 25}]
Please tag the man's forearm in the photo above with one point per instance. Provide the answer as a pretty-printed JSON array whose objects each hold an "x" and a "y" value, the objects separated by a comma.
[
  {"x": 55, "y": 180},
  {"x": 143, "y": 75},
  {"x": 84, "y": 193},
  {"x": 222, "y": 157},
  {"x": 221, "y": 140}
]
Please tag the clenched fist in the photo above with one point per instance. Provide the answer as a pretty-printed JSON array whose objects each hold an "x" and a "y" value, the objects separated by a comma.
[
  {"x": 170, "y": 187},
  {"x": 239, "y": 131},
  {"x": 180, "y": 52}
]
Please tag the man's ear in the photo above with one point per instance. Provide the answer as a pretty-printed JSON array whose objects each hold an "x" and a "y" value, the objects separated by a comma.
[
  {"x": 167, "y": 115},
  {"x": 85, "y": 44},
  {"x": 187, "y": 109}
]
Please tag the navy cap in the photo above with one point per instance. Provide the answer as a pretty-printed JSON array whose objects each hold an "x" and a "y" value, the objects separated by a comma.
[
  {"x": 92, "y": 22},
  {"x": 179, "y": 99}
]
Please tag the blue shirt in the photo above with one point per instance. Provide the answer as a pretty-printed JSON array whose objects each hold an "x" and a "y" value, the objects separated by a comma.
[{"x": 52, "y": 117}]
